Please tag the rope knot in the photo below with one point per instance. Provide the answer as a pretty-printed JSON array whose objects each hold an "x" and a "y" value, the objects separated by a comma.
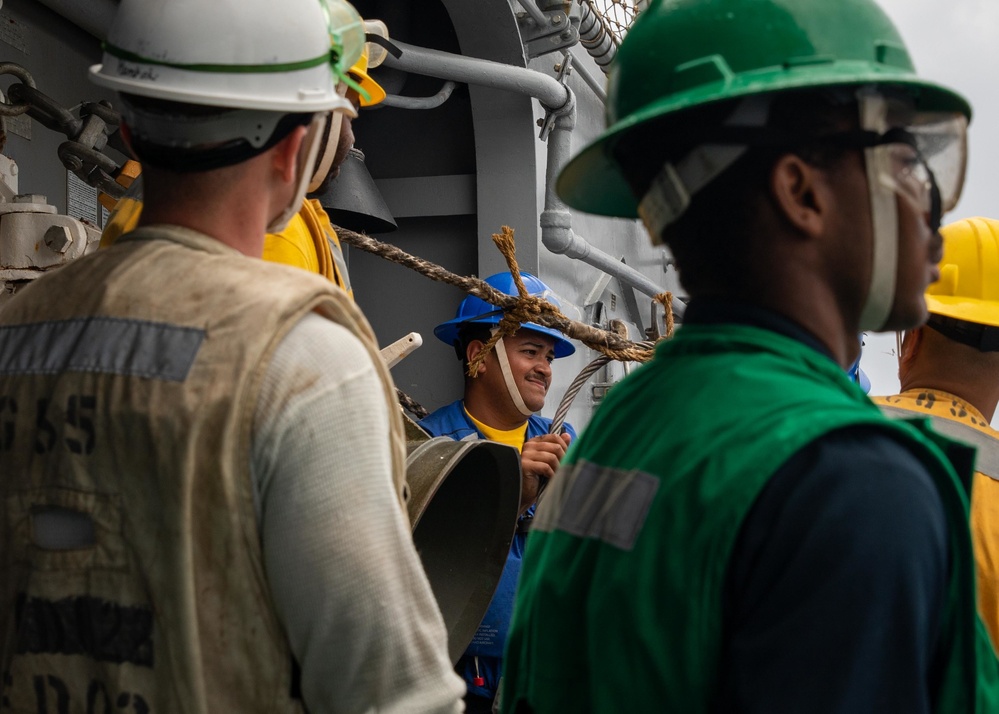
[
  {"x": 666, "y": 300},
  {"x": 526, "y": 308},
  {"x": 519, "y": 308}
]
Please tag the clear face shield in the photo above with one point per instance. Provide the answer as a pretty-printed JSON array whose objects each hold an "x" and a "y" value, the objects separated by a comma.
[{"x": 918, "y": 157}]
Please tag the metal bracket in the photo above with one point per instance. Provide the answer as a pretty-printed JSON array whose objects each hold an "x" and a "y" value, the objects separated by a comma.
[
  {"x": 598, "y": 390},
  {"x": 563, "y": 69},
  {"x": 599, "y": 285},
  {"x": 540, "y": 39},
  {"x": 630, "y": 301},
  {"x": 593, "y": 313}
]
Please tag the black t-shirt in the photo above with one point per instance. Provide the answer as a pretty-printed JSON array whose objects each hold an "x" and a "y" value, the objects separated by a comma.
[{"x": 838, "y": 579}]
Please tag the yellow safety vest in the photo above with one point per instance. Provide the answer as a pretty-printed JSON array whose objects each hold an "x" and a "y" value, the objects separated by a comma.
[
  {"x": 308, "y": 242},
  {"x": 959, "y": 420}
]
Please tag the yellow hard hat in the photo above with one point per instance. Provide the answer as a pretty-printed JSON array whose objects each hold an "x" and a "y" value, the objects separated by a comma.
[
  {"x": 968, "y": 288},
  {"x": 359, "y": 72}
]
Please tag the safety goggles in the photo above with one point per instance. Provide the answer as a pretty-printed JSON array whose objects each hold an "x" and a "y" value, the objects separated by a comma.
[
  {"x": 918, "y": 157},
  {"x": 928, "y": 150},
  {"x": 346, "y": 31},
  {"x": 924, "y": 163},
  {"x": 927, "y": 153}
]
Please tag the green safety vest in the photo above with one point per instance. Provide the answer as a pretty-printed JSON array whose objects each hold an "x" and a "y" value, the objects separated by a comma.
[{"x": 620, "y": 596}]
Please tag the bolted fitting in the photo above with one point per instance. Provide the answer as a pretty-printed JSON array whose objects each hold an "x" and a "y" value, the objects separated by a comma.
[
  {"x": 30, "y": 198},
  {"x": 58, "y": 238}
]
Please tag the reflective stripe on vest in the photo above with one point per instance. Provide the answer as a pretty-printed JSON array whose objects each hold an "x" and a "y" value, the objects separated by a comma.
[
  {"x": 987, "y": 459},
  {"x": 106, "y": 345},
  {"x": 342, "y": 277},
  {"x": 602, "y": 503}
]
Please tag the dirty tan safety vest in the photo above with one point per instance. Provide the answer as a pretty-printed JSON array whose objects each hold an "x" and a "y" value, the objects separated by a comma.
[
  {"x": 128, "y": 382},
  {"x": 953, "y": 417},
  {"x": 309, "y": 241}
]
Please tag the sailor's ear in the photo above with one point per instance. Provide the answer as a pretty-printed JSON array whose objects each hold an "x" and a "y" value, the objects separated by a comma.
[
  {"x": 287, "y": 154},
  {"x": 800, "y": 194},
  {"x": 911, "y": 343},
  {"x": 472, "y": 350}
]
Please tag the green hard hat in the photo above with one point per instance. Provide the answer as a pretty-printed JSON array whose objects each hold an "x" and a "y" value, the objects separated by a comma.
[{"x": 685, "y": 54}]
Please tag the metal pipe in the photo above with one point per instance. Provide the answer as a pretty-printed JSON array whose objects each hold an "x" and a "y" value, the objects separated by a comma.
[
  {"x": 470, "y": 70},
  {"x": 535, "y": 12},
  {"x": 556, "y": 221},
  {"x": 559, "y": 150},
  {"x": 590, "y": 81},
  {"x": 431, "y": 102},
  {"x": 580, "y": 249}
]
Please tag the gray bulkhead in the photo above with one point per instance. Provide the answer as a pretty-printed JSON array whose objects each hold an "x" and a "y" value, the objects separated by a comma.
[{"x": 451, "y": 176}]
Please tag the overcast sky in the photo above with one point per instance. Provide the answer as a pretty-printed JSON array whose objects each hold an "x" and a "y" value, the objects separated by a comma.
[{"x": 952, "y": 42}]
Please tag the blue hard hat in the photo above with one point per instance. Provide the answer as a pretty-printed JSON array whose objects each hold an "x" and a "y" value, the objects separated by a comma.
[{"x": 474, "y": 310}]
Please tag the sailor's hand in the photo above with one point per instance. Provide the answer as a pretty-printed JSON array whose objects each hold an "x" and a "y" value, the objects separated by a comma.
[{"x": 538, "y": 461}]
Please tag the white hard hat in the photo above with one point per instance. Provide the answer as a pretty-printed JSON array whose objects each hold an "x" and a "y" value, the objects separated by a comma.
[{"x": 245, "y": 54}]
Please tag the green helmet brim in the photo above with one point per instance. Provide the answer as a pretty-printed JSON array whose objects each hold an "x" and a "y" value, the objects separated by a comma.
[{"x": 594, "y": 182}]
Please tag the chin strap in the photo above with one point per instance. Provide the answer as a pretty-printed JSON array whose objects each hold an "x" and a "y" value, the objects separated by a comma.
[
  {"x": 306, "y": 164},
  {"x": 328, "y": 151},
  {"x": 511, "y": 386},
  {"x": 884, "y": 220}
]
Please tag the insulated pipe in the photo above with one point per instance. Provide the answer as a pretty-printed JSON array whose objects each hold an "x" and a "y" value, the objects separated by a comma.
[
  {"x": 556, "y": 221},
  {"x": 431, "y": 102},
  {"x": 599, "y": 43}
]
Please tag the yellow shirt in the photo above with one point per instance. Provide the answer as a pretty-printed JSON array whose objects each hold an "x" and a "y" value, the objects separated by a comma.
[
  {"x": 984, "y": 494},
  {"x": 513, "y": 437},
  {"x": 308, "y": 242}
]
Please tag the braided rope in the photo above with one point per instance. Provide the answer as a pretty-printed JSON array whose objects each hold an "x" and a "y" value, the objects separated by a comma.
[
  {"x": 411, "y": 405},
  {"x": 666, "y": 300},
  {"x": 527, "y": 309},
  {"x": 517, "y": 309}
]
